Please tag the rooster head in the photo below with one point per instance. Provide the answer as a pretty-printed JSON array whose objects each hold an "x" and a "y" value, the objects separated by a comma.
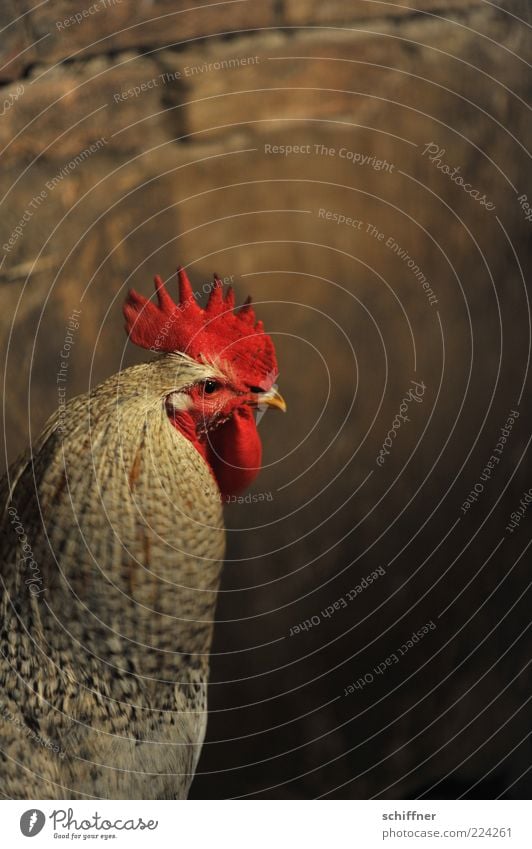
[{"x": 217, "y": 413}]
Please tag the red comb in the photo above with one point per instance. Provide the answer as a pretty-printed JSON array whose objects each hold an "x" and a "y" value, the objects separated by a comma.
[{"x": 216, "y": 332}]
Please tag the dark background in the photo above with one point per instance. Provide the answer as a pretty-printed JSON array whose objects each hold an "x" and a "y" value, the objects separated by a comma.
[{"x": 183, "y": 176}]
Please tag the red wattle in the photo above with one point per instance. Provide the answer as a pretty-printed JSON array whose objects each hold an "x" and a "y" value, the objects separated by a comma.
[
  {"x": 185, "y": 424},
  {"x": 234, "y": 452}
]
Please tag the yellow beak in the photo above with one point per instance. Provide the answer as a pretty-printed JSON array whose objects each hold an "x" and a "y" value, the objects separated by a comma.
[{"x": 272, "y": 398}]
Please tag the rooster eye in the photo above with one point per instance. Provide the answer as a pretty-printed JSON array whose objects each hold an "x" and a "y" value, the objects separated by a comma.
[
  {"x": 210, "y": 386},
  {"x": 256, "y": 389}
]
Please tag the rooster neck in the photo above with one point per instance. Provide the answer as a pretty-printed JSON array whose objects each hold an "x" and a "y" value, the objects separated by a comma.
[
  {"x": 184, "y": 422},
  {"x": 231, "y": 449},
  {"x": 125, "y": 522}
]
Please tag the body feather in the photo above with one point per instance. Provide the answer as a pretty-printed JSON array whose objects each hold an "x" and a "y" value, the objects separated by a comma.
[{"x": 111, "y": 544}]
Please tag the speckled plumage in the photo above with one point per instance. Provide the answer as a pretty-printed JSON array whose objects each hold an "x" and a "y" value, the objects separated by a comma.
[{"x": 107, "y": 622}]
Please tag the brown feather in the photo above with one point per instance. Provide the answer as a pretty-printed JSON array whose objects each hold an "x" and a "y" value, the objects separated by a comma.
[{"x": 110, "y": 659}]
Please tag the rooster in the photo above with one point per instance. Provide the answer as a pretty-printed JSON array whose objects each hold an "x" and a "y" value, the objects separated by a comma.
[{"x": 111, "y": 547}]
